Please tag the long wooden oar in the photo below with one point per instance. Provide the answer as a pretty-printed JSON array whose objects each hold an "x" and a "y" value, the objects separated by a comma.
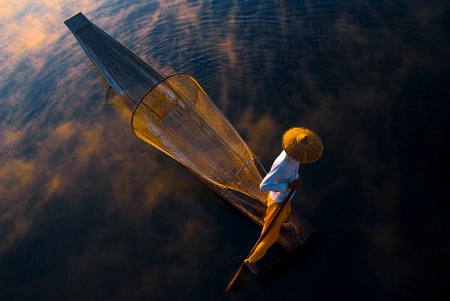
[{"x": 263, "y": 234}]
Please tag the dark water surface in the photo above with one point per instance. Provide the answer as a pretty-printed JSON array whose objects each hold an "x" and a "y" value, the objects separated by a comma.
[{"x": 90, "y": 212}]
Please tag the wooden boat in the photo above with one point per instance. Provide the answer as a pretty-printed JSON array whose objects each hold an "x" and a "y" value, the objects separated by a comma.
[{"x": 175, "y": 115}]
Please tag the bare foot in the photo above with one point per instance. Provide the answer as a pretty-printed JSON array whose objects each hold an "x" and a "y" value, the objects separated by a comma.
[
  {"x": 252, "y": 267},
  {"x": 286, "y": 226}
]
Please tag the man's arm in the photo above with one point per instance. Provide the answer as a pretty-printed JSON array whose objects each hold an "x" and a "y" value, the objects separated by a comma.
[{"x": 269, "y": 182}]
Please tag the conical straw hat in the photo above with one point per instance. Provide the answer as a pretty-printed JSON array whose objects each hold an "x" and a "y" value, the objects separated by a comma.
[{"x": 302, "y": 144}]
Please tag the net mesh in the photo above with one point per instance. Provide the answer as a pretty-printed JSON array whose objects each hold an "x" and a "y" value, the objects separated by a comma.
[{"x": 177, "y": 117}]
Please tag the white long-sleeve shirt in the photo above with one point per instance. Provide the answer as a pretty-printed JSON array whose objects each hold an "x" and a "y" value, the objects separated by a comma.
[{"x": 284, "y": 170}]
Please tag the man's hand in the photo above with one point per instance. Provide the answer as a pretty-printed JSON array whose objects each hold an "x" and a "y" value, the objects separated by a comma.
[{"x": 295, "y": 184}]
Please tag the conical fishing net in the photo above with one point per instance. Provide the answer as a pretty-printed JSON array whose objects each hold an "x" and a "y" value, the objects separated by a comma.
[{"x": 177, "y": 117}]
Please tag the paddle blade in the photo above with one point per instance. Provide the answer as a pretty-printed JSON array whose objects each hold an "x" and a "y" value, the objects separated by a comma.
[{"x": 234, "y": 278}]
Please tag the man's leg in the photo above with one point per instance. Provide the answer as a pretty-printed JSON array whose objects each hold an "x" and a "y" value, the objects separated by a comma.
[{"x": 272, "y": 236}]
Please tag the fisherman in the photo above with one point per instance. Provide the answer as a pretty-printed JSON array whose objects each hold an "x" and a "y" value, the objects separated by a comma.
[{"x": 300, "y": 145}]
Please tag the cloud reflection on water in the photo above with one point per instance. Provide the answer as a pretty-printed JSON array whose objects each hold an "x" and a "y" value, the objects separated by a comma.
[
  {"x": 71, "y": 165},
  {"x": 32, "y": 27}
]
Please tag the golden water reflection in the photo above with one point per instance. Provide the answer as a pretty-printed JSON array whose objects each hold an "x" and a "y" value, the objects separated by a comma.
[{"x": 76, "y": 184}]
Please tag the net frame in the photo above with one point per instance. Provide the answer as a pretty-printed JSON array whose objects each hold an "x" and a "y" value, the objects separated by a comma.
[{"x": 177, "y": 117}]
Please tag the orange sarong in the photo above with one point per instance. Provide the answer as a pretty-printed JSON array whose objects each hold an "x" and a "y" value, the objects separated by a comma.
[{"x": 272, "y": 236}]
